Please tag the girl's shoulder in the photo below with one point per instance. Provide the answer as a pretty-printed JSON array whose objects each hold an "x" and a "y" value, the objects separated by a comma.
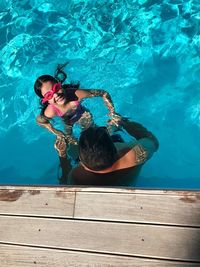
[{"x": 51, "y": 111}]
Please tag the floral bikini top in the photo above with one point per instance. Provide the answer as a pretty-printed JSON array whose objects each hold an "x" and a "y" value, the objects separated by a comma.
[
  {"x": 72, "y": 97},
  {"x": 74, "y": 114},
  {"x": 59, "y": 113}
]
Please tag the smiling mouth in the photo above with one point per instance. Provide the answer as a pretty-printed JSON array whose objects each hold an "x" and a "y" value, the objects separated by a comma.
[{"x": 60, "y": 98}]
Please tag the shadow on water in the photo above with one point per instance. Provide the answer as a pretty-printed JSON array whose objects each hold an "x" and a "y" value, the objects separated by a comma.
[
  {"x": 12, "y": 176},
  {"x": 51, "y": 175},
  {"x": 157, "y": 74},
  {"x": 26, "y": 163},
  {"x": 167, "y": 69}
]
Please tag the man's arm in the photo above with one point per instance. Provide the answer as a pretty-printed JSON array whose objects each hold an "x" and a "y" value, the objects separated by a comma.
[
  {"x": 61, "y": 147},
  {"x": 146, "y": 143},
  {"x": 65, "y": 162},
  {"x": 138, "y": 131}
]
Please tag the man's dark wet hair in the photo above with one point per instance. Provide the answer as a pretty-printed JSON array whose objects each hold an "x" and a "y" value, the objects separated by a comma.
[{"x": 96, "y": 148}]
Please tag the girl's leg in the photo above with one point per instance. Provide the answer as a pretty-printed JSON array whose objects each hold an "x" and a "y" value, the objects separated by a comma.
[{"x": 70, "y": 139}]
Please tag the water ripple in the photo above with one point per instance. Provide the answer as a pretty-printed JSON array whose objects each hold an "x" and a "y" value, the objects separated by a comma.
[{"x": 140, "y": 46}]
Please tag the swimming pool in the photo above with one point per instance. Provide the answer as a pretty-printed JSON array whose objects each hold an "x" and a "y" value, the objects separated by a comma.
[{"x": 144, "y": 53}]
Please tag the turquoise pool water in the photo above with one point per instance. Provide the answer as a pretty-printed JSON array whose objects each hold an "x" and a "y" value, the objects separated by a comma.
[{"x": 145, "y": 53}]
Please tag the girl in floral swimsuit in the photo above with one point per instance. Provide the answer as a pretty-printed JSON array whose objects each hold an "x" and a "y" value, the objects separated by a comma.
[{"x": 64, "y": 101}]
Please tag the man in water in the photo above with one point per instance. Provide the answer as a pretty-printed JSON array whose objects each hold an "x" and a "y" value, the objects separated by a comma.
[{"x": 108, "y": 161}]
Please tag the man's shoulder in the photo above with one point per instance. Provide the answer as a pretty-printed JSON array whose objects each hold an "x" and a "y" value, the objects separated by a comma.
[{"x": 139, "y": 151}]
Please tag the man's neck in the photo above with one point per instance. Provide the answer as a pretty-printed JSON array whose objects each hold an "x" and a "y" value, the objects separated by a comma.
[{"x": 121, "y": 163}]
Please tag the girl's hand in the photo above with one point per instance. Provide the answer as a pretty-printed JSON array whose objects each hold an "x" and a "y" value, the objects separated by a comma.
[{"x": 115, "y": 119}]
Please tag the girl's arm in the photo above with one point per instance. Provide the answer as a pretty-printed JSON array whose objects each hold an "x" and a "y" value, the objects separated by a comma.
[
  {"x": 43, "y": 121},
  {"x": 115, "y": 117},
  {"x": 60, "y": 144},
  {"x": 97, "y": 92}
]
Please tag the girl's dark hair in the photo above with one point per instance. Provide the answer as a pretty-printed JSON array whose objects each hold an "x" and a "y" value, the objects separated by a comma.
[
  {"x": 96, "y": 149},
  {"x": 39, "y": 82}
]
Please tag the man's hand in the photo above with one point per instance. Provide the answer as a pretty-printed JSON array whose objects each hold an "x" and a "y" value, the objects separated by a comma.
[{"x": 61, "y": 146}]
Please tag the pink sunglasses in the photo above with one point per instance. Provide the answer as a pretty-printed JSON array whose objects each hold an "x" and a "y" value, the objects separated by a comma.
[{"x": 56, "y": 87}]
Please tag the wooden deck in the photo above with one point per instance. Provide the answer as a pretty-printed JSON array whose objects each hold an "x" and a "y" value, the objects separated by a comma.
[{"x": 80, "y": 226}]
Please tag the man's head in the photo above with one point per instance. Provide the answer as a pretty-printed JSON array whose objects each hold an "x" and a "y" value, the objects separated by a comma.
[{"x": 96, "y": 149}]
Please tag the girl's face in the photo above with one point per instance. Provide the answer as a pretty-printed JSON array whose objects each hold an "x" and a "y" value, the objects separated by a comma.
[{"x": 52, "y": 96}]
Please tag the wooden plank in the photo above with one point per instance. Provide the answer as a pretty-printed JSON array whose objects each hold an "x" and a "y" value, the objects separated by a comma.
[
  {"x": 177, "y": 209},
  {"x": 76, "y": 188},
  {"x": 182, "y": 208},
  {"x": 179, "y": 243},
  {"x": 16, "y": 256},
  {"x": 37, "y": 202},
  {"x": 119, "y": 190}
]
